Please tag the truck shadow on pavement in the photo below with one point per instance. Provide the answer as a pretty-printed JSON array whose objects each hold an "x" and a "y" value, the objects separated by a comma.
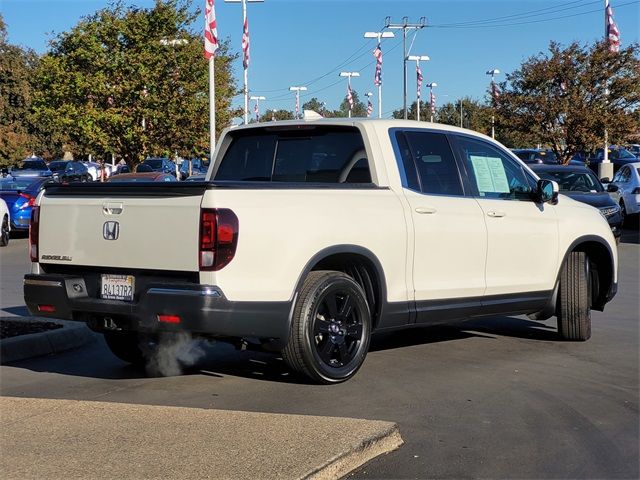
[{"x": 220, "y": 360}]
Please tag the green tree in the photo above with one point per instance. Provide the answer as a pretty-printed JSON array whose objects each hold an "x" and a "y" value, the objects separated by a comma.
[
  {"x": 359, "y": 109},
  {"x": 475, "y": 115},
  {"x": 566, "y": 98},
  {"x": 269, "y": 115},
  {"x": 133, "y": 82},
  {"x": 17, "y": 66},
  {"x": 317, "y": 106}
]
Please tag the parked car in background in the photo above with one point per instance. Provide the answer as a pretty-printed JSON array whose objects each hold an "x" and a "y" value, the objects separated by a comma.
[
  {"x": 627, "y": 179},
  {"x": 94, "y": 170},
  {"x": 197, "y": 167},
  {"x": 20, "y": 194},
  {"x": 120, "y": 168},
  {"x": 5, "y": 226},
  {"x": 163, "y": 165},
  {"x": 144, "y": 177},
  {"x": 618, "y": 156},
  {"x": 31, "y": 167},
  {"x": 536, "y": 155},
  {"x": 581, "y": 184},
  {"x": 70, "y": 171}
]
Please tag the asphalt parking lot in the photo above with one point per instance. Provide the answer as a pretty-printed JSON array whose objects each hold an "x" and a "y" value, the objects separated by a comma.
[{"x": 494, "y": 398}]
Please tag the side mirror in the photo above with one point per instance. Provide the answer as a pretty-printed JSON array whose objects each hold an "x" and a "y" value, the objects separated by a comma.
[
  {"x": 612, "y": 188},
  {"x": 547, "y": 191}
]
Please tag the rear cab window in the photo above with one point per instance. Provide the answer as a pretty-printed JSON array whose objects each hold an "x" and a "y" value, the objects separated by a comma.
[{"x": 307, "y": 154}]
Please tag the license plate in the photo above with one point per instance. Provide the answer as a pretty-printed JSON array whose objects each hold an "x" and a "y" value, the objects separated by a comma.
[{"x": 117, "y": 287}]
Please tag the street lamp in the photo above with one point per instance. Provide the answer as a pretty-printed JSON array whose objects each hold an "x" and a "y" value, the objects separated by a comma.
[
  {"x": 378, "y": 76},
  {"x": 245, "y": 31},
  {"x": 432, "y": 100},
  {"x": 257, "y": 108},
  {"x": 297, "y": 90},
  {"x": 418, "y": 59},
  {"x": 493, "y": 73},
  {"x": 349, "y": 92}
]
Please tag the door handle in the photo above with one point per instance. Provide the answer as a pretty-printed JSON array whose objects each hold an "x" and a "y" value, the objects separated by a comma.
[
  {"x": 494, "y": 214},
  {"x": 112, "y": 208},
  {"x": 426, "y": 210}
]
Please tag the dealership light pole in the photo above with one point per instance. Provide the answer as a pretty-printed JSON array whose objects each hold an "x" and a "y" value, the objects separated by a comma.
[
  {"x": 257, "y": 108},
  {"x": 378, "y": 79},
  {"x": 418, "y": 59},
  {"x": 246, "y": 53},
  {"x": 404, "y": 26},
  {"x": 432, "y": 104},
  {"x": 297, "y": 90},
  {"x": 493, "y": 73},
  {"x": 349, "y": 91}
]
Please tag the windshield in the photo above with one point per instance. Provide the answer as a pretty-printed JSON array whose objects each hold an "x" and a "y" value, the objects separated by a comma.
[
  {"x": 572, "y": 181},
  {"x": 154, "y": 163},
  {"x": 14, "y": 184},
  {"x": 625, "y": 154},
  {"x": 32, "y": 165},
  {"x": 57, "y": 166}
]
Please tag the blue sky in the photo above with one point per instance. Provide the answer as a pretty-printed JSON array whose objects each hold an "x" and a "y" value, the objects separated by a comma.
[{"x": 296, "y": 41}]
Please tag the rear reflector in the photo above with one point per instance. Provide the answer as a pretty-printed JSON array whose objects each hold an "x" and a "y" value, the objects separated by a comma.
[
  {"x": 169, "y": 318},
  {"x": 46, "y": 308}
]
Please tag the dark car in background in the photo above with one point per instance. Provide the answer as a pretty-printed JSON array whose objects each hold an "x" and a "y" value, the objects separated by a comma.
[
  {"x": 581, "y": 184},
  {"x": 70, "y": 171},
  {"x": 143, "y": 177},
  {"x": 163, "y": 165},
  {"x": 617, "y": 155},
  {"x": 536, "y": 155},
  {"x": 20, "y": 195},
  {"x": 31, "y": 167},
  {"x": 198, "y": 167}
]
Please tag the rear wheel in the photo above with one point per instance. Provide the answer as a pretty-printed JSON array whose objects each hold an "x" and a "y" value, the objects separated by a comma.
[
  {"x": 130, "y": 347},
  {"x": 331, "y": 328},
  {"x": 4, "y": 232},
  {"x": 623, "y": 212},
  {"x": 574, "y": 300}
]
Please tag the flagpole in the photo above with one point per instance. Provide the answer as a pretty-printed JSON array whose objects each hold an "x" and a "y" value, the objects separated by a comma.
[{"x": 212, "y": 109}]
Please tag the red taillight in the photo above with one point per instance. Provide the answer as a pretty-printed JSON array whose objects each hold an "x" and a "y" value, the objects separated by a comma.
[
  {"x": 34, "y": 231},
  {"x": 46, "y": 308},
  {"x": 218, "y": 238},
  {"x": 169, "y": 318}
]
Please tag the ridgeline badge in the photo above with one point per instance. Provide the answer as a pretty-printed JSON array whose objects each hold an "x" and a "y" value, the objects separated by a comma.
[{"x": 111, "y": 230}]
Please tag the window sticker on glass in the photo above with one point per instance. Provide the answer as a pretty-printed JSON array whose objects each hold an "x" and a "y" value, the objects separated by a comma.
[{"x": 490, "y": 174}]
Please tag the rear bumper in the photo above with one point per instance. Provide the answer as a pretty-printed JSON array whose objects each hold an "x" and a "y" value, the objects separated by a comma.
[{"x": 202, "y": 309}]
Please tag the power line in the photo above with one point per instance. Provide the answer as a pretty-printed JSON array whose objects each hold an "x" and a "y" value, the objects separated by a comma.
[{"x": 534, "y": 21}]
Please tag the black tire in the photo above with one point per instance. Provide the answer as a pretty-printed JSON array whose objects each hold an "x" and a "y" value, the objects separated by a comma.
[
  {"x": 574, "y": 298},
  {"x": 4, "y": 232},
  {"x": 330, "y": 329},
  {"x": 129, "y": 347},
  {"x": 623, "y": 214}
]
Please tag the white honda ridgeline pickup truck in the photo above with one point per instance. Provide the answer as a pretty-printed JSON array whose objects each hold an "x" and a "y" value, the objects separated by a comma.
[{"x": 308, "y": 236}]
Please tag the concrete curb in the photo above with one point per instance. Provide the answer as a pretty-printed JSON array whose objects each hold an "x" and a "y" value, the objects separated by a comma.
[{"x": 71, "y": 335}]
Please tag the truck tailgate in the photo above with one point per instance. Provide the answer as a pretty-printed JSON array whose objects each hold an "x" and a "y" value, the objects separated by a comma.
[{"x": 132, "y": 226}]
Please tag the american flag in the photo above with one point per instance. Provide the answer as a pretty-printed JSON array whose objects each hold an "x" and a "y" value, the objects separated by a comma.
[
  {"x": 495, "y": 92},
  {"x": 297, "y": 107},
  {"x": 245, "y": 44},
  {"x": 369, "y": 108},
  {"x": 432, "y": 100},
  {"x": 377, "y": 79},
  {"x": 257, "y": 112},
  {"x": 350, "y": 97},
  {"x": 419, "y": 75},
  {"x": 210, "y": 30},
  {"x": 612, "y": 32}
]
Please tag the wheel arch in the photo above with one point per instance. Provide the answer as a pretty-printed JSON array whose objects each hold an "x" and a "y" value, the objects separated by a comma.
[
  {"x": 600, "y": 255},
  {"x": 359, "y": 263}
]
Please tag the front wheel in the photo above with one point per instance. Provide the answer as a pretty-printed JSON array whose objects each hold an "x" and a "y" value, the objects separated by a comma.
[
  {"x": 4, "y": 232},
  {"x": 330, "y": 329},
  {"x": 574, "y": 299}
]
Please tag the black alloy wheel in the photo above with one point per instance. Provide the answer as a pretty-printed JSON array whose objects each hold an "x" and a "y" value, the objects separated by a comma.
[
  {"x": 4, "y": 232},
  {"x": 330, "y": 329}
]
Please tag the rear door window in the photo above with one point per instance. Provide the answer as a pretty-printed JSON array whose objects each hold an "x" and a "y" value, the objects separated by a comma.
[{"x": 299, "y": 155}]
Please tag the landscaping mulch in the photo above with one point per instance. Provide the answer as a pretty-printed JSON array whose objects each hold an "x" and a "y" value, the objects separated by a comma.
[{"x": 13, "y": 328}]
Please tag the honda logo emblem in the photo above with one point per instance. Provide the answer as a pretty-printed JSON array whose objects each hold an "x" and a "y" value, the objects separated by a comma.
[{"x": 111, "y": 230}]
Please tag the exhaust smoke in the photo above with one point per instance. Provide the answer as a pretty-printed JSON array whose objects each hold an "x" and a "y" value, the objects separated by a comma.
[{"x": 172, "y": 353}]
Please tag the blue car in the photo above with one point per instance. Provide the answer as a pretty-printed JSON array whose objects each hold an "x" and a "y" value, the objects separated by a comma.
[
  {"x": 31, "y": 167},
  {"x": 20, "y": 195}
]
